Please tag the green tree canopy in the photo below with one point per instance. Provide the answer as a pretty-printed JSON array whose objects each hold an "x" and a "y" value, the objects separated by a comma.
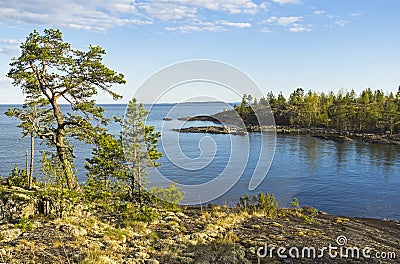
[{"x": 51, "y": 71}]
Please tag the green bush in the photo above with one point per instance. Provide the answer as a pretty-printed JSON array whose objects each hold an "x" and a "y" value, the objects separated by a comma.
[
  {"x": 62, "y": 201},
  {"x": 264, "y": 203},
  {"x": 24, "y": 224},
  {"x": 17, "y": 177},
  {"x": 144, "y": 214},
  {"x": 295, "y": 203},
  {"x": 97, "y": 196},
  {"x": 310, "y": 214},
  {"x": 167, "y": 198},
  {"x": 172, "y": 194}
]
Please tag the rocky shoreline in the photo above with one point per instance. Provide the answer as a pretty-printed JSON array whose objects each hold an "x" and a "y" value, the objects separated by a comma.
[
  {"x": 211, "y": 234},
  {"x": 213, "y": 130},
  {"x": 186, "y": 234},
  {"x": 320, "y": 133}
]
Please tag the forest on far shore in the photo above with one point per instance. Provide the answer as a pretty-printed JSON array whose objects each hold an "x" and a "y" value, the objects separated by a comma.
[{"x": 369, "y": 112}]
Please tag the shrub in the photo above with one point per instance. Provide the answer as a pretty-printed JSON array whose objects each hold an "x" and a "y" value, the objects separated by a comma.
[
  {"x": 24, "y": 224},
  {"x": 143, "y": 214},
  {"x": 169, "y": 195},
  {"x": 310, "y": 214},
  {"x": 168, "y": 198},
  {"x": 107, "y": 199},
  {"x": 264, "y": 203},
  {"x": 17, "y": 177},
  {"x": 62, "y": 201},
  {"x": 295, "y": 203},
  {"x": 96, "y": 256}
]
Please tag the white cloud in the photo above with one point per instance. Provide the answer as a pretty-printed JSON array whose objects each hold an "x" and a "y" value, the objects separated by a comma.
[
  {"x": 201, "y": 26},
  {"x": 126, "y": 7},
  {"x": 283, "y": 2},
  {"x": 9, "y": 46},
  {"x": 231, "y": 6},
  {"x": 283, "y": 21},
  {"x": 8, "y": 50},
  {"x": 207, "y": 27},
  {"x": 357, "y": 14},
  {"x": 263, "y": 6},
  {"x": 173, "y": 15},
  {"x": 319, "y": 12},
  {"x": 100, "y": 15},
  {"x": 292, "y": 22},
  {"x": 299, "y": 29},
  {"x": 286, "y": 21},
  {"x": 90, "y": 15},
  {"x": 234, "y": 24},
  {"x": 265, "y": 30},
  {"x": 168, "y": 11},
  {"x": 341, "y": 22}
]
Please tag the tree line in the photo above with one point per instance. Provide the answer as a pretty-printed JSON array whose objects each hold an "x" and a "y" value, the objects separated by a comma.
[{"x": 368, "y": 112}]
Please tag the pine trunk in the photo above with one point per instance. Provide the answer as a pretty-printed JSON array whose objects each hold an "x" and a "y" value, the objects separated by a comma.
[
  {"x": 139, "y": 183},
  {"x": 30, "y": 175},
  {"x": 70, "y": 178},
  {"x": 26, "y": 165}
]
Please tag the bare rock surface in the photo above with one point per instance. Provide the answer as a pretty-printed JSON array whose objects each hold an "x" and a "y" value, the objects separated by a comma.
[{"x": 213, "y": 234}]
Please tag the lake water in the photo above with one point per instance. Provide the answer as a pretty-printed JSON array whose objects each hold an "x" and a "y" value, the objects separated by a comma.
[{"x": 353, "y": 179}]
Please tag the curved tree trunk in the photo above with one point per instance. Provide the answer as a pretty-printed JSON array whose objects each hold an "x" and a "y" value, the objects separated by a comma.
[
  {"x": 62, "y": 155},
  {"x": 70, "y": 178}
]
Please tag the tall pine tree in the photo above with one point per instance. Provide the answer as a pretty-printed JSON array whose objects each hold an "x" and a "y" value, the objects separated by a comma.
[
  {"x": 140, "y": 147},
  {"x": 49, "y": 70}
]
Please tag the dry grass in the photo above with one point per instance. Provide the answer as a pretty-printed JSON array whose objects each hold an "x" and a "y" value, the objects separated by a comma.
[
  {"x": 96, "y": 256},
  {"x": 232, "y": 219}
]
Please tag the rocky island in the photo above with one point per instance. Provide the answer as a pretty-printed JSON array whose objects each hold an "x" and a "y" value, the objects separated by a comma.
[
  {"x": 214, "y": 130},
  {"x": 234, "y": 125},
  {"x": 372, "y": 116}
]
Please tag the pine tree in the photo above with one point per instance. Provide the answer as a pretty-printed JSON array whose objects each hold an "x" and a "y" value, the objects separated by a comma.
[
  {"x": 49, "y": 70},
  {"x": 107, "y": 162},
  {"x": 140, "y": 147}
]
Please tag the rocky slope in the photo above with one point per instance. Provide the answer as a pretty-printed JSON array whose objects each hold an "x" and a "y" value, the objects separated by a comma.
[{"x": 212, "y": 234}]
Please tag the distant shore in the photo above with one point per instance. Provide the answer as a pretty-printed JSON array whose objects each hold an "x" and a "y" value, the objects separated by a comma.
[{"x": 320, "y": 133}]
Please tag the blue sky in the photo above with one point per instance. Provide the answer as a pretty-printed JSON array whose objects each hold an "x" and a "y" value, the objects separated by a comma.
[{"x": 282, "y": 44}]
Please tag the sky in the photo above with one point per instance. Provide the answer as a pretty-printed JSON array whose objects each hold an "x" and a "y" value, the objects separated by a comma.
[{"x": 322, "y": 45}]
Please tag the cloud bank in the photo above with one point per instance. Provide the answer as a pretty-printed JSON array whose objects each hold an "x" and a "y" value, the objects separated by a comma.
[{"x": 170, "y": 15}]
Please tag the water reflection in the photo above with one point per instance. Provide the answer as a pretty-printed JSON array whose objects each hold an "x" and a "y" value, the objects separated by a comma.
[
  {"x": 354, "y": 178},
  {"x": 311, "y": 152}
]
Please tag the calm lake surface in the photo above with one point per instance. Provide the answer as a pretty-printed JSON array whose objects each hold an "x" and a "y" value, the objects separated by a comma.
[{"x": 353, "y": 179}]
